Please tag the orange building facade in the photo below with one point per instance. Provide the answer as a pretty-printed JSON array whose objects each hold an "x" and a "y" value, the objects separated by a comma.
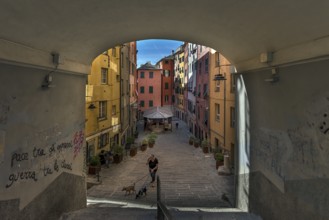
[{"x": 148, "y": 87}]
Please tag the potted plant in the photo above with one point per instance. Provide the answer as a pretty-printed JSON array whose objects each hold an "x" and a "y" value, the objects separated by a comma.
[
  {"x": 117, "y": 153},
  {"x": 144, "y": 144},
  {"x": 191, "y": 140},
  {"x": 94, "y": 165},
  {"x": 133, "y": 150},
  {"x": 196, "y": 142},
  {"x": 205, "y": 146},
  {"x": 151, "y": 139},
  {"x": 151, "y": 142},
  {"x": 136, "y": 134},
  {"x": 130, "y": 141},
  {"x": 219, "y": 157}
]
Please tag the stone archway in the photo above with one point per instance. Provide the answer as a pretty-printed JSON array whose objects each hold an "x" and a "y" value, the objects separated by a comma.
[{"x": 287, "y": 118}]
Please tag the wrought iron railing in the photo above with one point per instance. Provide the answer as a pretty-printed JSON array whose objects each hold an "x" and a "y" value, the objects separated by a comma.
[{"x": 162, "y": 213}]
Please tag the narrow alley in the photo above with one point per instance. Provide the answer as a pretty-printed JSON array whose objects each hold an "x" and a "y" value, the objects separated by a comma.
[
  {"x": 189, "y": 182},
  {"x": 188, "y": 176}
]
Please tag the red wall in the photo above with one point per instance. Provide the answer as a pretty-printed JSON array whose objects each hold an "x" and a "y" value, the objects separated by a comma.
[{"x": 146, "y": 82}]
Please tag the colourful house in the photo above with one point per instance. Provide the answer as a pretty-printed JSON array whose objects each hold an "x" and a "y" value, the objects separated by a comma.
[
  {"x": 102, "y": 124},
  {"x": 149, "y": 87}
]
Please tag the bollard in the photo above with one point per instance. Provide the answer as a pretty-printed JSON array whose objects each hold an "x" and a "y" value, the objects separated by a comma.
[
  {"x": 97, "y": 175},
  {"x": 226, "y": 162}
]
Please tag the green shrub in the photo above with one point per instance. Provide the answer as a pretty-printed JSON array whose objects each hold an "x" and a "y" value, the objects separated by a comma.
[
  {"x": 205, "y": 143},
  {"x": 95, "y": 161},
  {"x": 117, "y": 149},
  {"x": 145, "y": 141},
  {"x": 151, "y": 140},
  {"x": 219, "y": 157},
  {"x": 130, "y": 140},
  {"x": 152, "y": 136}
]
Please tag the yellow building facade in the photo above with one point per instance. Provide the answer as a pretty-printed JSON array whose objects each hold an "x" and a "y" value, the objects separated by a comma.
[
  {"x": 222, "y": 104},
  {"x": 102, "y": 124},
  {"x": 179, "y": 82}
]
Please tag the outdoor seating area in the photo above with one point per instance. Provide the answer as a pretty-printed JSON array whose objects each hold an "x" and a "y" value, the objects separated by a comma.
[{"x": 158, "y": 119}]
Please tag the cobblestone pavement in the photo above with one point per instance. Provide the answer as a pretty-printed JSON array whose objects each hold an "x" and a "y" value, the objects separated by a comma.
[{"x": 188, "y": 176}]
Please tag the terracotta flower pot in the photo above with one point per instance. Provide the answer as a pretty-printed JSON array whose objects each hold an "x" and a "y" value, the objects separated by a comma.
[
  {"x": 219, "y": 163},
  {"x": 93, "y": 170},
  {"x": 133, "y": 152},
  {"x": 205, "y": 150},
  {"x": 143, "y": 147},
  {"x": 117, "y": 158}
]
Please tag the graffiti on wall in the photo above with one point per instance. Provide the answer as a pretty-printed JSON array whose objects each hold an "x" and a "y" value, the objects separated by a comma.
[
  {"x": 324, "y": 127},
  {"x": 269, "y": 151},
  {"x": 51, "y": 156}
]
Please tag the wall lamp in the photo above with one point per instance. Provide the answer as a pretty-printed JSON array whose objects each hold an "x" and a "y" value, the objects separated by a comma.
[
  {"x": 274, "y": 76},
  {"x": 219, "y": 77},
  {"x": 91, "y": 106}
]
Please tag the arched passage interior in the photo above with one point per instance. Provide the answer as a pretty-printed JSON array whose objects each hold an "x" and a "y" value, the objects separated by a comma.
[{"x": 285, "y": 136}]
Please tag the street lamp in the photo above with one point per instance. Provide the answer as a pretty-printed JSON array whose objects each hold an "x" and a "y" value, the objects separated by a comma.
[{"x": 221, "y": 77}]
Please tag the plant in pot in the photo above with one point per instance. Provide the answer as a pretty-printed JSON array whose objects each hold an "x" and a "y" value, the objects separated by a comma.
[
  {"x": 130, "y": 141},
  {"x": 151, "y": 142},
  {"x": 144, "y": 144},
  {"x": 133, "y": 150},
  {"x": 191, "y": 140},
  {"x": 94, "y": 165},
  {"x": 151, "y": 139},
  {"x": 219, "y": 157},
  {"x": 196, "y": 142},
  {"x": 117, "y": 153},
  {"x": 205, "y": 146}
]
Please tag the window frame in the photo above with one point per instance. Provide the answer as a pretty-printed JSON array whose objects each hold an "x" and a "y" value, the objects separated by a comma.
[
  {"x": 114, "y": 109},
  {"x": 104, "y": 75},
  {"x": 102, "y": 113}
]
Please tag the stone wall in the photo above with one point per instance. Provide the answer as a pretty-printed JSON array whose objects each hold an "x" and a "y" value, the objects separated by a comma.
[
  {"x": 288, "y": 142},
  {"x": 41, "y": 143}
]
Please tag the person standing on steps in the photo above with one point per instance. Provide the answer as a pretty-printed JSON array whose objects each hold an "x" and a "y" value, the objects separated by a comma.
[{"x": 153, "y": 162}]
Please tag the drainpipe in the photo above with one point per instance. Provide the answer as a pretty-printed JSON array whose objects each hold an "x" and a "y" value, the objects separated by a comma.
[{"x": 224, "y": 110}]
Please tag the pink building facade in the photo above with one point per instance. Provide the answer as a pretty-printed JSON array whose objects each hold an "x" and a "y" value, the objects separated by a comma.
[
  {"x": 202, "y": 93},
  {"x": 148, "y": 87}
]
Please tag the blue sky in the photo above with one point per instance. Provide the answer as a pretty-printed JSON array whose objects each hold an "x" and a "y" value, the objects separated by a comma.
[{"x": 153, "y": 50}]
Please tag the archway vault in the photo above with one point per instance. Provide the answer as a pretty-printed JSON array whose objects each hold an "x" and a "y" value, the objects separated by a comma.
[{"x": 79, "y": 31}]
